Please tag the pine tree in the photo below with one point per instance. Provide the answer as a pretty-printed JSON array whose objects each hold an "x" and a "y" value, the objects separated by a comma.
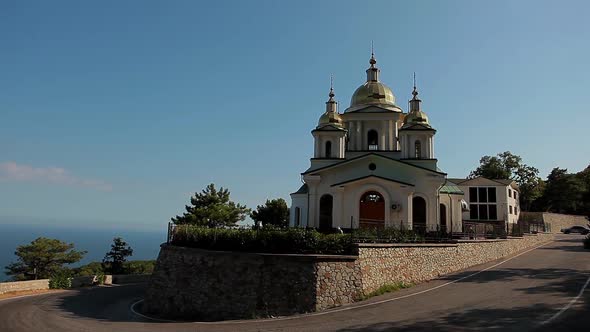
[
  {"x": 113, "y": 260},
  {"x": 212, "y": 208}
]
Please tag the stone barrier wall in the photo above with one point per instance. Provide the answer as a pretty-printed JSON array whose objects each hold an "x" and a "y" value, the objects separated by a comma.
[
  {"x": 197, "y": 284},
  {"x": 16, "y": 286},
  {"x": 558, "y": 221},
  {"x": 212, "y": 285},
  {"x": 84, "y": 281},
  {"x": 413, "y": 263}
]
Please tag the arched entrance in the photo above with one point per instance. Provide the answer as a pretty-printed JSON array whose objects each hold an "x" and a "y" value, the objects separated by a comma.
[
  {"x": 326, "y": 212},
  {"x": 419, "y": 214},
  {"x": 372, "y": 210},
  {"x": 443, "y": 218}
]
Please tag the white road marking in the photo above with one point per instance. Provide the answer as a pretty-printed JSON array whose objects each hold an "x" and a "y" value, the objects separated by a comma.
[
  {"x": 567, "y": 306},
  {"x": 343, "y": 308}
]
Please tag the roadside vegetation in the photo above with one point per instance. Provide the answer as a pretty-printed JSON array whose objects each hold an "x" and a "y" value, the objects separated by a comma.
[
  {"x": 51, "y": 259},
  {"x": 387, "y": 288}
]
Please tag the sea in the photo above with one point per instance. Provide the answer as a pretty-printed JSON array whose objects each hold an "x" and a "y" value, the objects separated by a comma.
[{"x": 97, "y": 241}]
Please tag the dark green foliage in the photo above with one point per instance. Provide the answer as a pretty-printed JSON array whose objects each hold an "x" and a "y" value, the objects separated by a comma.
[
  {"x": 61, "y": 279},
  {"x": 289, "y": 240},
  {"x": 90, "y": 269},
  {"x": 566, "y": 192},
  {"x": 274, "y": 212},
  {"x": 212, "y": 208},
  {"x": 42, "y": 258},
  {"x": 267, "y": 239},
  {"x": 129, "y": 267},
  {"x": 387, "y": 288},
  {"x": 113, "y": 261},
  {"x": 386, "y": 235},
  {"x": 139, "y": 267}
]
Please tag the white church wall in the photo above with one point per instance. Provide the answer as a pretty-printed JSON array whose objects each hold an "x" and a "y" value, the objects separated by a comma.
[{"x": 298, "y": 201}]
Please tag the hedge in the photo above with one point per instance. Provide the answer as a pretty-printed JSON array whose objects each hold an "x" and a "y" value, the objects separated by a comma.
[
  {"x": 285, "y": 240},
  {"x": 265, "y": 240}
]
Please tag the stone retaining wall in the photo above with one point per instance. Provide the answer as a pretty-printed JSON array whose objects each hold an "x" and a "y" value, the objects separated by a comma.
[
  {"x": 413, "y": 263},
  {"x": 212, "y": 285},
  {"x": 84, "y": 281},
  {"x": 17, "y": 286},
  {"x": 198, "y": 284},
  {"x": 558, "y": 221}
]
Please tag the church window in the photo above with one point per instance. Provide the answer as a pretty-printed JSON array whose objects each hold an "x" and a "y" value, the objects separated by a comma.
[
  {"x": 417, "y": 150},
  {"x": 373, "y": 139},
  {"x": 372, "y": 166},
  {"x": 328, "y": 149}
]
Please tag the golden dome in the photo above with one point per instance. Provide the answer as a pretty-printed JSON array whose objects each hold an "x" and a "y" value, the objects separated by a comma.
[
  {"x": 332, "y": 118},
  {"x": 373, "y": 93},
  {"x": 416, "y": 117}
]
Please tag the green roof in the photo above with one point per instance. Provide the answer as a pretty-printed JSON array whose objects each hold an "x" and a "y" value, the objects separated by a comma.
[{"x": 451, "y": 188}]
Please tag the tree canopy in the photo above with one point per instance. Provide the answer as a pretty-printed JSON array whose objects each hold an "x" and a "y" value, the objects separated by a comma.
[
  {"x": 274, "y": 212},
  {"x": 113, "y": 260},
  {"x": 42, "y": 258},
  {"x": 566, "y": 192},
  {"x": 212, "y": 208}
]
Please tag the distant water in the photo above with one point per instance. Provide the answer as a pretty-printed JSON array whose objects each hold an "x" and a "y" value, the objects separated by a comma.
[{"x": 145, "y": 244}]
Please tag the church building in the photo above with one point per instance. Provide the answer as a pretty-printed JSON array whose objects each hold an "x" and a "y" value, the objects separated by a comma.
[{"x": 374, "y": 166}]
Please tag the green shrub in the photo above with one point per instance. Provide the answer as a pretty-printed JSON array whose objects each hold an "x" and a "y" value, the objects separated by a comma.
[
  {"x": 61, "y": 280},
  {"x": 139, "y": 267},
  {"x": 267, "y": 239},
  {"x": 387, "y": 288}
]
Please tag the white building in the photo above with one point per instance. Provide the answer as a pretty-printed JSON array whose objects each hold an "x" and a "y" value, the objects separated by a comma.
[
  {"x": 490, "y": 201},
  {"x": 374, "y": 166}
]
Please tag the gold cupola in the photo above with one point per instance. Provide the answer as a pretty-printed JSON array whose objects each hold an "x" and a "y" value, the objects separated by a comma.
[
  {"x": 373, "y": 92},
  {"x": 331, "y": 115},
  {"x": 415, "y": 116}
]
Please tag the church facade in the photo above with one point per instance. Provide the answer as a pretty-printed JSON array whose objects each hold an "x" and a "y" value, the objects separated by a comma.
[{"x": 374, "y": 166}]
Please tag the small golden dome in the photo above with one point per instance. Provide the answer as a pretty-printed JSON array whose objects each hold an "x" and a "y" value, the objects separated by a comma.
[
  {"x": 416, "y": 117},
  {"x": 332, "y": 118}
]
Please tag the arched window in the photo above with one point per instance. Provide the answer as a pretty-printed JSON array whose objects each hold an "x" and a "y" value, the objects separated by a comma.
[
  {"x": 417, "y": 150},
  {"x": 328, "y": 149},
  {"x": 373, "y": 140}
]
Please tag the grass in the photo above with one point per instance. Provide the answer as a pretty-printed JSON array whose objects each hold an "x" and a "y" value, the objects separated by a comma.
[{"x": 387, "y": 288}]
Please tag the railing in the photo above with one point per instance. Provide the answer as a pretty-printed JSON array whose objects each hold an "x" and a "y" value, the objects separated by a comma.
[{"x": 476, "y": 230}]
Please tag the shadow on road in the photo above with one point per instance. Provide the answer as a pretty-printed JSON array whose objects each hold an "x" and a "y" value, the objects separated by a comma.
[
  {"x": 514, "y": 319},
  {"x": 101, "y": 303}
]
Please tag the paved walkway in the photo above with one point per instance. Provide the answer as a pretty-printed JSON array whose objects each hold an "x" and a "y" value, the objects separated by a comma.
[{"x": 541, "y": 289}]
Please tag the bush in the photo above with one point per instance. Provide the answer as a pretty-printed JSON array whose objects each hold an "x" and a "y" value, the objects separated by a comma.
[
  {"x": 386, "y": 235},
  {"x": 266, "y": 239},
  {"x": 387, "y": 288},
  {"x": 61, "y": 280},
  {"x": 139, "y": 267},
  {"x": 587, "y": 242}
]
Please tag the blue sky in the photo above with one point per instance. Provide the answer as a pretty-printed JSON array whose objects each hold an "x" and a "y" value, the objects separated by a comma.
[{"x": 116, "y": 111}]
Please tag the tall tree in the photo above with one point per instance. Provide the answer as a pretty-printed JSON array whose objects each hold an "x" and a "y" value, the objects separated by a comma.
[
  {"x": 273, "y": 212},
  {"x": 113, "y": 260},
  {"x": 564, "y": 192},
  {"x": 508, "y": 166},
  {"x": 42, "y": 258},
  {"x": 212, "y": 208}
]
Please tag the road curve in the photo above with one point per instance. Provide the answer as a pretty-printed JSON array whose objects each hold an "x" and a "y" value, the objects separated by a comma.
[{"x": 518, "y": 294}]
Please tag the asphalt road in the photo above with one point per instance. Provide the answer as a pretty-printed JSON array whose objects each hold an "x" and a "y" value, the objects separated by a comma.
[{"x": 526, "y": 292}]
